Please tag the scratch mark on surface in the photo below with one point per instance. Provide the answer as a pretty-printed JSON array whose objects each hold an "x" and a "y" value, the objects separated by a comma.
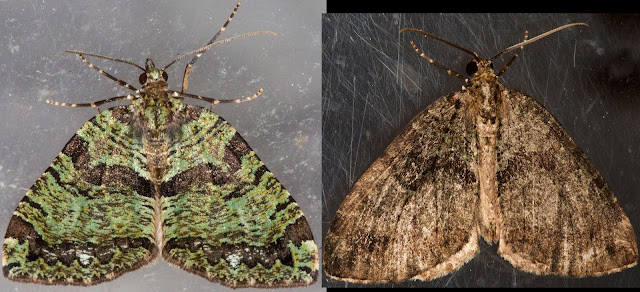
[
  {"x": 377, "y": 50},
  {"x": 575, "y": 45},
  {"x": 353, "y": 108}
]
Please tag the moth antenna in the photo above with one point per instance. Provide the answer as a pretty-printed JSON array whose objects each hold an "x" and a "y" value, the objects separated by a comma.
[
  {"x": 214, "y": 100},
  {"x": 475, "y": 56},
  {"x": 526, "y": 34},
  {"x": 187, "y": 69},
  {"x": 98, "y": 103},
  {"x": 104, "y": 57},
  {"x": 536, "y": 38},
  {"x": 423, "y": 55},
  {"x": 120, "y": 82},
  {"x": 200, "y": 51}
]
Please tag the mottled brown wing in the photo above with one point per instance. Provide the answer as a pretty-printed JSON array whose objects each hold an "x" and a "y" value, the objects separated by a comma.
[
  {"x": 411, "y": 215},
  {"x": 572, "y": 224}
]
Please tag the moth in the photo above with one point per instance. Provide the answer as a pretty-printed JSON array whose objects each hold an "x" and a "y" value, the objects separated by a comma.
[
  {"x": 154, "y": 177},
  {"x": 485, "y": 162}
]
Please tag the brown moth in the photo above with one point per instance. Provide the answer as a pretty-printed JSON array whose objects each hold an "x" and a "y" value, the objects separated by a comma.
[{"x": 488, "y": 162}]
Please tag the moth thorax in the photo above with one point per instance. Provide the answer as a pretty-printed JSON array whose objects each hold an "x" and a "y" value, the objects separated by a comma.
[
  {"x": 486, "y": 99},
  {"x": 488, "y": 114},
  {"x": 156, "y": 90},
  {"x": 156, "y": 115}
]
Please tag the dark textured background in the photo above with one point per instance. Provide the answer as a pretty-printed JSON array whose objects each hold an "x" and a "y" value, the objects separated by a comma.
[
  {"x": 587, "y": 77},
  {"x": 282, "y": 125}
]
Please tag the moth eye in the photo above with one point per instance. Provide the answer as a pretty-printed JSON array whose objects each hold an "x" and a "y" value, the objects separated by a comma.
[
  {"x": 472, "y": 68},
  {"x": 165, "y": 76},
  {"x": 143, "y": 78},
  {"x": 491, "y": 65}
]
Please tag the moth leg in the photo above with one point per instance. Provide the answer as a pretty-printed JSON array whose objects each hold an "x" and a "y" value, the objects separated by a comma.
[
  {"x": 187, "y": 69},
  {"x": 214, "y": 100},
  {"x": 526, "y": 34},
  {"x": 120, "y": 82},
  {"x": 92, "y": 104}
]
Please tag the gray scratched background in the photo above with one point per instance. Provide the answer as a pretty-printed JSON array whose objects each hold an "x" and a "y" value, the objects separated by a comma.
[
  {"x": 282, "y": 125},
  {"x": 587, "y": 77}
]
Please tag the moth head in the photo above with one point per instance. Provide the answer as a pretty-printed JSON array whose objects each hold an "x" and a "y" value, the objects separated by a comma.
[
  {"x": 481, "y": 72},
  {"x": 472, "y": 67},
  {"x": 484, "y": 89},
  {"x": 152, "y": 74}
]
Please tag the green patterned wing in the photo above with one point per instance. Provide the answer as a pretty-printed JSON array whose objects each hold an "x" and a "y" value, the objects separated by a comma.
[
  {"x": 90, "y": 217},
  {"x": 226, "y": 217}
]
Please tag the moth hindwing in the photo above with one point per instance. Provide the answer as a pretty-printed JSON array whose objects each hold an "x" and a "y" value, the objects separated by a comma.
[
  {"x": 489, "y": 162},
  {"x": 159, "y": 177}
]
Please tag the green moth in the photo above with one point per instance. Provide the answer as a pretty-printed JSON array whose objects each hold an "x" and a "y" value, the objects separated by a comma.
[{"x": 159, "y": 177}]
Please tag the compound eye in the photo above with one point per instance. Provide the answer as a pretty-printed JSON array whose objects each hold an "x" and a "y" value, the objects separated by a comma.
[
  {"x": 143, "y": 78},
  {"x": 472, "y": 68},
  {"x": 165, "y": 76}
]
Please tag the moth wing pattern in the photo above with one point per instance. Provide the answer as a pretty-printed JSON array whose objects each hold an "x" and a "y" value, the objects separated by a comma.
[
  {"x": 572, "y": 224},
  {"x": 226, "y": 216},
  {"x": 90, "y": 217},
  {"x": 411, "y": 215}
]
